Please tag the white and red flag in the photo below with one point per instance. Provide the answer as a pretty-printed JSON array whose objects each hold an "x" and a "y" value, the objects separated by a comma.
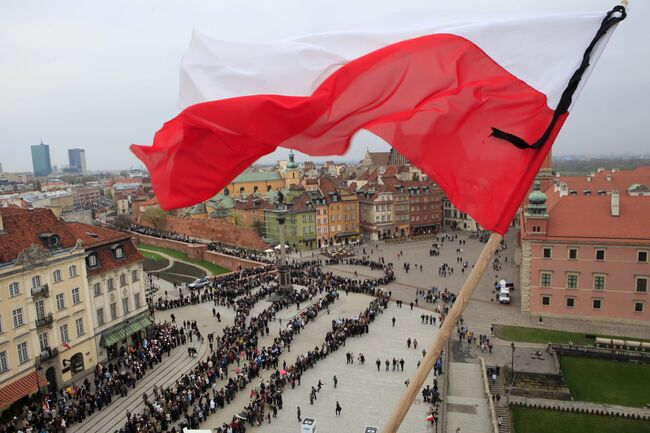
[{"x": 475, "y": 104}]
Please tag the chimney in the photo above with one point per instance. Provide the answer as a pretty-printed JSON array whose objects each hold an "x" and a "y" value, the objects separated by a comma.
[
  {"x": 615, "y": 204},
  {"x": 609, "y": 178}
]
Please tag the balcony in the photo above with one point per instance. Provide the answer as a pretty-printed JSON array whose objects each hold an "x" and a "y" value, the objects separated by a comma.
[
  {"x": 49, "y": 353},
  {"x": 45, "y": 320},
  {"x": 43, "y": 290}
]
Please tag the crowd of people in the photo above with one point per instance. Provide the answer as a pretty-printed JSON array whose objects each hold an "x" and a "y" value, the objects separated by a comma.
[{"x": 72, "y": 404}]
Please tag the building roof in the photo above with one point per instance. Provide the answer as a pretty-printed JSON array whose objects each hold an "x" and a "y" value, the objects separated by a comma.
[
  {"x": 257, "y": 176},
  {"x": 253, "y": 201},
  {"x": 379, "y": 158},
  {"x": 568, "y": 215},
  {"x": 301, "y": 203},
  {"x": 22, "y": 227},
  {"x": 607, "y": 180},
  {"x": 95, "y": 235}
]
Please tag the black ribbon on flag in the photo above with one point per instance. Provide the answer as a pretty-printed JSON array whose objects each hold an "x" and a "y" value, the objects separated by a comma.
[{"x": 614, "y": 16}]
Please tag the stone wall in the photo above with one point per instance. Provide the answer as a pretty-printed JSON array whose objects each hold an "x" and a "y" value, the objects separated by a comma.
[
  {"x": 213, "y": 230},
  {"x": 198, "y": 252}
]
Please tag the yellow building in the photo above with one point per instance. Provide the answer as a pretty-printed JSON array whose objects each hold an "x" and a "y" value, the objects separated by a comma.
[
  {"x": 342, "y": 213},
  {"x": 46, "y": 331},
  {"x": 250, "y": 182},
  {"x": 291, "y": 173}
]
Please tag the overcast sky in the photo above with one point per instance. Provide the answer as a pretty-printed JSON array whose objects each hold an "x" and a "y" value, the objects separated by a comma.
[{"x": 103, "y": 75}]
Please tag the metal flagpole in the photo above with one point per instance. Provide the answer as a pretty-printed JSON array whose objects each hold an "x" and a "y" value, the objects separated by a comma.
[{"x": 433, "y": 352}]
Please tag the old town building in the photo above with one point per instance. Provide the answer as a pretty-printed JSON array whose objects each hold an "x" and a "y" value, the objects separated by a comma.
[{"x": 598, "y": 270}]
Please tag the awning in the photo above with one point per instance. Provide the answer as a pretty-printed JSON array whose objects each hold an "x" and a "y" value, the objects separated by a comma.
[
  {"x": 119, "y": 332},
  {"x": 19, "y": 388}
]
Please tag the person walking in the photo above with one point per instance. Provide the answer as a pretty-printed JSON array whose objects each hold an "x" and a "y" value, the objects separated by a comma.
[
  {"x": 336, "y": 381},
  {"x": 299, "y": 418},
  {"x": 378, "y": 362},
  {"x": 338, "y": 409},
  {"x": 394, "y": 320}
]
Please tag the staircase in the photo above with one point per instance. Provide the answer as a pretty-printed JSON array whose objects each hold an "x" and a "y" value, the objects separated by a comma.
[{"x": 501, "y": 407}]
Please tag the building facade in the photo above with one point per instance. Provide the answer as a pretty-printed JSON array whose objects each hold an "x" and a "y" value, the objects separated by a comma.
[
  {"x": 47, "y": 336},
  {"x": 455, "y": 219},
  {"x": 41, "y": 160},
  {"x": 300, "y": 224},
  {"x": 77, "y": 160},
  {"x": 376, "y": 212},
  {"x": 599, "y": 270}
]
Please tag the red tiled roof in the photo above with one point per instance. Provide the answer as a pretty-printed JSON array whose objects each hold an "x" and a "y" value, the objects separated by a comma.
[
  {"x": 252, "y": 202},
  {"x": 379, "y": 158},
  {"x": 392, "y": 170},
  {"x": 19, "y": 388},
  {"x": 299, "y": 204},
  {"x": 22, "y": 227},
  {"x": 567, "y": 218},
  {"x": 94, "y": 235},
  {"x": 619, "y": 180},
  {"x": 108, "y": 262}
]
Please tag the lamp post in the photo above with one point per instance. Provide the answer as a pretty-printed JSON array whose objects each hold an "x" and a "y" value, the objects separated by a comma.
[
  {"x": 512, "y": 365},
  {"x": 126, "y": 322}
]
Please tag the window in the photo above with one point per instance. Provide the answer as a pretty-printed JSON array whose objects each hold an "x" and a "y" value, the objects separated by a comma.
[
  {"x": 109, "y": 284},
  {"x": 572, "y": 281},
  {"x": 92, "y": 260},
  {"x": 597, "y": 304},
  {"x": 122, "y": 280},
  {"x": 639, "y": 306},
  {"x": 22, "y": 352},
  {"x": 573, "y": 253},
  {"x": 73, "y": 271},
  {"x": 56, "y": 276},
  {"x": 60, "y": 301},
  {"x": 79, "y": 324},
  {"x": 546, "y": 300},
  {"x": 14, "y": 289},
  {"x": 43, "y": 341},
  {"x": 17, "y": 317},
  {"x": 3, "y": 362},
  {"x": 119, "y": 253},
  {"x": 134, "y": 276},
  {"x": 570, "y": 302},
  {"x": 599, "y": 282},
  {"x": 642, "y": 256},
  {"x": 136, "y": 298},
  {"x": 76, "y": 298},
  {"x": 547, "y": 253},
  {"x": 113, "y": 310},
  {"x": 65, "y": 338},
  {"x": 40, "y": 309},
  {"x": 545, "y": 279},
  {"x": 36, "y": 281},
  {"x": 100, "y": 316},
  {"x": 97, "y": 287},
  {"x": 2, "y": 326},
  {"x": 600, "y": 255},
  {"x": 125, "y": 305},
  {"x": 642, "y": 284}
]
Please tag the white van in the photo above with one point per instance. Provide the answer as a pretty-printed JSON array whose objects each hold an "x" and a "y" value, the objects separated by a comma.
[{"x": 504, "y": 295}]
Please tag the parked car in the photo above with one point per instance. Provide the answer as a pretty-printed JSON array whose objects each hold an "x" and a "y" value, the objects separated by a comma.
[
  {"x": 199, "y": 283},
  {"x": 504, "y": 295}
]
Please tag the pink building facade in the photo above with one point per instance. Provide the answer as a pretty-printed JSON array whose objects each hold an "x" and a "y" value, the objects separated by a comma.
[{"x": 586, "y": 256}]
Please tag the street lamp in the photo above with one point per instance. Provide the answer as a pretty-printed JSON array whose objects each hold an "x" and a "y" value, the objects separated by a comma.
[
  {"x": 512, "y": 364},
  {"x": 126, "y": 322}
]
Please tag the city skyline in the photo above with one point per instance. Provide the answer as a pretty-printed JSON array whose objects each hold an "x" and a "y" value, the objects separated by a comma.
[{"x": 66, "y": 59}]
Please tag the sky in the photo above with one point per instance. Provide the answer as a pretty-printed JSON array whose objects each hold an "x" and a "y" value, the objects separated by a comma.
[{"x": 103, "y": 75}]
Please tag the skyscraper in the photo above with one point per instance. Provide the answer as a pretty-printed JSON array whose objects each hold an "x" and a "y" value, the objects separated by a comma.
[
  {"x": 77, "y": 159},
  {"x": 41, "y": 159}
]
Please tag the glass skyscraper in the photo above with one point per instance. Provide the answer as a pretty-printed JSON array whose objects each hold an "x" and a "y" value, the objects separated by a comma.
[
  {"x": 77, "y": 160},
  {"x": 41, "y": 160}
]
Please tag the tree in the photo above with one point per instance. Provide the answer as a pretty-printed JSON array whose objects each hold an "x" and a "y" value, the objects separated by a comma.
[
  {"x": 259, "y": 227},
  {"x": 155, "y": 216}
]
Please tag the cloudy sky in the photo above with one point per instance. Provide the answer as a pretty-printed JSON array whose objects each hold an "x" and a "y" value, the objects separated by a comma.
[{"x": 103, "y": 75}]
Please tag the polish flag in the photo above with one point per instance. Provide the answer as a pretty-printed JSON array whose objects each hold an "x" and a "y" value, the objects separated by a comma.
[
  {"x": 67, "y": 345},
  {"x": 475, "y": 104}
]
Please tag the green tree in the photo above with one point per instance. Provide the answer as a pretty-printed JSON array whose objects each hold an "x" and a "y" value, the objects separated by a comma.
[
  {"x": 155, "y": 216},
  {"x": 122, "y": 221}
]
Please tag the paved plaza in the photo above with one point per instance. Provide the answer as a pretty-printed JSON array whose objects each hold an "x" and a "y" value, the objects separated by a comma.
[{"x": 367, "y": 396}]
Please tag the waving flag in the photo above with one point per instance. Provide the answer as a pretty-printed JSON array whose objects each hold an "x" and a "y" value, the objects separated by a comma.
[{"x": 476, "y": 105}]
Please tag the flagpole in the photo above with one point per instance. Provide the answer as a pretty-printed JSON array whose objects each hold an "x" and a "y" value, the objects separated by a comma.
[{"x": 433, "y": 352}]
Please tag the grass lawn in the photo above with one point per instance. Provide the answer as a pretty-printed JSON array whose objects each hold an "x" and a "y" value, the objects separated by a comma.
[
  {"x": 153, "y": 256},
  {"x": 605, "y": 381},
  {"x": 153, "y": 265},
  {"x": 549, "y": 421},
  {"x": 214, "y": 269},
  {"x": 537, "y": 335}
]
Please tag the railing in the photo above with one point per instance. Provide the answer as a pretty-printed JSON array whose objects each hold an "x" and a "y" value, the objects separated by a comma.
[
  {"x": 44, "y": 321},
  {"x": 48, "y": 354},
  {"x": 43, "y": 290},
  {"x": 601, "y": 352},
  {"x": 488, "y": 396}
]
